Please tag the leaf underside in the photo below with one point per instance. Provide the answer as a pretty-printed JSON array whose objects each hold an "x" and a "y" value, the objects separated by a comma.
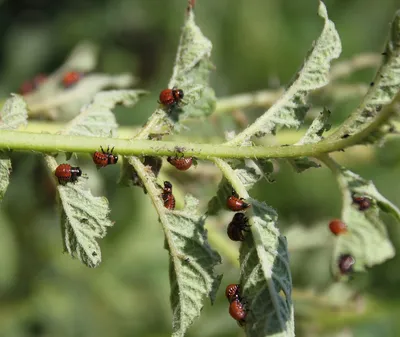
[
  {"x": 367, "y": 239},
  {"x": 14, "y": 114}
]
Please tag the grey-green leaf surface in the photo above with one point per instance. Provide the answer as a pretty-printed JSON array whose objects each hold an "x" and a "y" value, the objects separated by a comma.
[
  {"x": 192, "y": 71},
  {"x": 192, "y": 275},
  {"x": 367, "y": 238},
  {"x": 84, "y": 219},
  {"x": 383, "y": 89},
  {"x": 265, "y": 276},
  {"x": 313, "y": 135},
  {"x": 13, "y": 115},
  {"x": 97, "y": 119},
  {"x": 291, "y": 107}
]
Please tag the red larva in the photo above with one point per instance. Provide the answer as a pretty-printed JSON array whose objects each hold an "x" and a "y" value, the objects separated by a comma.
[
  {"x": 237, "y": 311},
  {"x": 30, "y": 86},
  {"x": 362, "y": 202},
  {"x": 70, "y": 78},
  {"x": 337, "y": 227},
  {"x": 182, "y": 163},
  {"x": 345, "y": 264},
  {"x": 170, "y": 98},
  {"x": 232, "y": 292},
  {"x": 235, "y": 204},
  {"x": 104, "y": 158},
  {"x": 66, "y": 173},
  {"x": 237, "y": 226},
  {"x": 167, "y": 196}
]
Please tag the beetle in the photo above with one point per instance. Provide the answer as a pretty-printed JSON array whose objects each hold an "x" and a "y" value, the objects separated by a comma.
[
  {"x": 181, "y": 163},
  {"x": 237, "y": 311},
  {"x": 232, "y": 291},
  {"x": 362, "y": 202},
  {"x": 337, "y": 227},
  {"x": 237, "y": 226},
  {"x": 104, "y": 158},
  {"x": 70, "y": 78},
  {"x": 67, "y": 173},
  {"x": 234, "y": 203},
  {"x": 345, "y": 263},
  {"x": 30, "y": 86},
  {"x": 171, "y": 98},
  {"x": 167, "y": 196}
]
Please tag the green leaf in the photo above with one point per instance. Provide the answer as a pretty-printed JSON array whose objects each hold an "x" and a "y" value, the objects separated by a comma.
[
  {"x": 382, "y": 91},
  {"x": 97, "y": 119},
  {"x": 192, "y": 274},
  {"x": 290, "y": 109},
  {"x": 367, "y": 238},
  {"x": 313, "y": 135},
  {"x": 84, "y": 219},
  {"x": 265, "y": 276},
  {"x": 13, "y": 115},
  {"x": 192, "y": 71},
  {"x": 192, "y": 261}
]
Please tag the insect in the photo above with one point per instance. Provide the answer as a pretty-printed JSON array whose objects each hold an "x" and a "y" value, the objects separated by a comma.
[
  {"x": 362, "y": 202},
  {"x": 232, "y": 292},
  {"x": 70, "y": 78},
  {"x": 29, "y": 86},
  {"x": 337, "y": 227},
  {"x": 181, "y": 163},
  {"x": 67, "y": 173},
  {"x": 104, "y": 158},
  {"x": 237, "y": 226},
  {"x": 235, "y": 204},
  {"x": 237, "y": 310},
  {"x": 171, "y": 98},
  {"x": 167, "y": 196},
  {"x": 346, "y": 262}
]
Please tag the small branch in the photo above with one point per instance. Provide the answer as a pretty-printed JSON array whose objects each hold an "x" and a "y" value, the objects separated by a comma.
[{"x": 347, "y": 67}]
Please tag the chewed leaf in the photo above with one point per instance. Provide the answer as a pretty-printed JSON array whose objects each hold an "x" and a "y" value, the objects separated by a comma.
[
  {"x": 13, "y": 115},
  {"x": 84, "y": 219},
  {"x": 65, "y": 103},
  {"x": 290, "y": 109},
  {"x": 191, "y": 72},
  {"x": 265, "y": 276},
  {"x": 313, "y": 135},
  {"x": 367, "y": 239},
  {"x": 97, "y": 119},
  {"x": 382, "y": 91},
  {"x": 191, "y": 265}
]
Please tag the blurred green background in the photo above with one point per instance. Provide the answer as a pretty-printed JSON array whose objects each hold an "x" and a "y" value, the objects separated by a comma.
[{"x": 258, "y": 44}]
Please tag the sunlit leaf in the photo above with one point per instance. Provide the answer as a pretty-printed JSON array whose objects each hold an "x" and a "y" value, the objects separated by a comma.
[
  {"x": 313, "y": 135},
  {"x": 191, "y": 72},
  {"x": 13, "y": 115},
  {"x": 265, "y": 276},
  {"x": 84, "y": 219},
  {"x": 192, "y": 274},
  {"x": 367, "y": 239},
  {"x": 289, "y": 110},
  {"x": 97, "y": 119},
  {"x": 382, "y": 90}
]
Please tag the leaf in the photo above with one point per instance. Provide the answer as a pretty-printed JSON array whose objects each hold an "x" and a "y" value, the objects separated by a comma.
[
  {"x": 13, "y": 115},
  {"x": 290, "y": 109},
  {"x": 84, "y": 219},
  {"x": 97, "y": 119},
  {"x": 313, "y": 135},
  {"x": 249, "y": 173},
  {"x": 192, "y": 274},
  {"x": 265, "y": 276},
  {"x": 382, "y": 91},
  {"x": 192, "y": 71},
  {"x": 367, "y": 239}
]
